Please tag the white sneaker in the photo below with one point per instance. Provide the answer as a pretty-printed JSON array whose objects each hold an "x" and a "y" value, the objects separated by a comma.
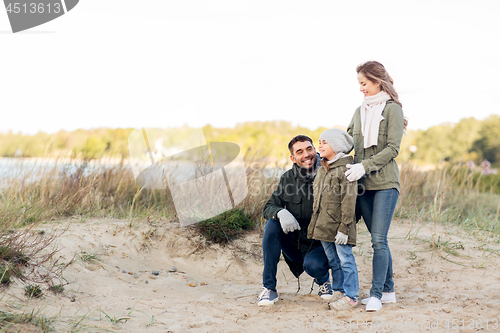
[
  {"x": 386, "y": 298},
  {"x": 374, "y": 304}
]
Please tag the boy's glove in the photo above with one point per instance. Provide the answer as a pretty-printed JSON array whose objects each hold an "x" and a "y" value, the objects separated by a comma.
[
  {"x": 288, "y": 221},
  {"x": 355, "y": 172},
  {"x": 341, "y": 238}
]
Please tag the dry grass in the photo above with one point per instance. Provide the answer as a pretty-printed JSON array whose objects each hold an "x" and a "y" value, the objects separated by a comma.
[{"x": 450, "y": 194}]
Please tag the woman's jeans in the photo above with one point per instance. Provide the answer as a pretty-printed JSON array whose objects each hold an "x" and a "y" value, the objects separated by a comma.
[
  {"x": 343, "y": 254},
  {"x": 377, "y": 208},
  {"x": 314, "y": 262}
]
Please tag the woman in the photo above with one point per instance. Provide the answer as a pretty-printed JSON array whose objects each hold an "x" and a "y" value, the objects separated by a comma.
[{"x": 377, "y": 128}]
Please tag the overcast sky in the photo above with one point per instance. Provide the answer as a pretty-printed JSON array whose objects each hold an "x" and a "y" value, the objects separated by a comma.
[{"x": 122, "y": 63}]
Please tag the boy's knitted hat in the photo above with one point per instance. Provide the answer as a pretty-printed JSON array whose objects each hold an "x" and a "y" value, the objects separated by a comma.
[{"x": 338, "y": 140}]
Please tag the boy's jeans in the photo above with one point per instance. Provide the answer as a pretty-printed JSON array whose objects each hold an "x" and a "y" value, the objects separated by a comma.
[
  {"x": 315, "y": 262},
  {"x": 343, "y": 254},
  {"x": 377, "y": 208}
]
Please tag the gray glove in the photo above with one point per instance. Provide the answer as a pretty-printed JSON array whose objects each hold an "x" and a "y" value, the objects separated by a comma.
[
  {"x": 288, "y": 221},
  {"x": 341, "y": 238}
]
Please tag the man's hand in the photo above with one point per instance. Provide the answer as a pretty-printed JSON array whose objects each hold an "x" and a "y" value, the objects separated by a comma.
[
  {"x": 341, "y": 238},
  {"x": 288, "y": 221},
  {"x": 354, "y": 172}
]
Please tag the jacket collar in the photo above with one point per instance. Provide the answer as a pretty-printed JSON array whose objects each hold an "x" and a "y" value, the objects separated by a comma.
[{"x": 342, "y": 162}]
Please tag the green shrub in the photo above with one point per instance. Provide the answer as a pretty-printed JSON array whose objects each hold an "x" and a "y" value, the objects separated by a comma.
[
  {"x": 33, "y": 291},
  {"x": 57, "y": 289},
  {"x": 226, "y": 226}
]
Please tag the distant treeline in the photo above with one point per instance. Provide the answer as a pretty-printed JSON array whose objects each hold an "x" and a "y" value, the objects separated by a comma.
[{"x": 470, "y": 139}]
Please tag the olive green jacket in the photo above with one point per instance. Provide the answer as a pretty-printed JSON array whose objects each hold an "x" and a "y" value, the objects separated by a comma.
[
  {"x": 334, "y": 203},
  {"x": 381, "y": 169}
]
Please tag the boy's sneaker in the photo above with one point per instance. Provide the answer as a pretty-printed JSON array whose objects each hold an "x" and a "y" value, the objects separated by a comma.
[
  {"x": 267, "y": 297},
  {"x": 386, "y": 298},
  {"x": 344, "y": 303},
  {"x": 325, "y": 291}
]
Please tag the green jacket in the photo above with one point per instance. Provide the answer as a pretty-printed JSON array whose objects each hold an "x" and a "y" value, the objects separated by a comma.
[
  {"x": 381, "y": 169},
  {"x": 334, "y": 203},
  {"x": 294, "y": 193}
]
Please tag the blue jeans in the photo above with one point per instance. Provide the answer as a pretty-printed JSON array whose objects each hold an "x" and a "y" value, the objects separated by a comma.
[
  {"x": 314, "y": 262},
  {"x": 377, "y": 208},
  {"x": 343, "y": 254}
]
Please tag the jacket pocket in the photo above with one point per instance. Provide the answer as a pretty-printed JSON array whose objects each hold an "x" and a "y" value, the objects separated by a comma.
[
  {"x": 334, "y": 212},
  {"x": 292, "y": 204},
  {"x": 292, "y": 198}
]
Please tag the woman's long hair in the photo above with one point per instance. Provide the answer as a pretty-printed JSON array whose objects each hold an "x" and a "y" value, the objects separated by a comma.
[{"x": 376, "y": 73}]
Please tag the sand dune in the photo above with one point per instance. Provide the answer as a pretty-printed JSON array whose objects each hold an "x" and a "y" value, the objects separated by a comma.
[{"x": 214, "y": 288}]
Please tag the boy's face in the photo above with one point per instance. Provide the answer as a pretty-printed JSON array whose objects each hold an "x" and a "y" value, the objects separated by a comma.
[
  {"x": 304, "y": 155},
  {"x": 325, "y": 150}
]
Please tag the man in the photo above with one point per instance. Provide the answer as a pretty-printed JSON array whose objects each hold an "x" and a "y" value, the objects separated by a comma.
[{"x": 288, "y": 212}]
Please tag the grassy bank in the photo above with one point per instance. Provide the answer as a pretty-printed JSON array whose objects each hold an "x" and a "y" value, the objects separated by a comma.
[{"x": 452, "y": 194}]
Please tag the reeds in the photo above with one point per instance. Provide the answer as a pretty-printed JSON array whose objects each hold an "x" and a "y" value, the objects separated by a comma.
[
  {"x": 452, "y": 194},
  {"x": 83, "y": 189}
]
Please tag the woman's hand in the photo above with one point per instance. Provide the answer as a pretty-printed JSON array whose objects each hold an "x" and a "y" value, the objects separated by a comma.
[{"x": 354, "y": 172}]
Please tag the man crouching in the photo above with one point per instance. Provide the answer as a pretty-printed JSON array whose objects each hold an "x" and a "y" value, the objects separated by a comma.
[{"x": 288, "y": 212}]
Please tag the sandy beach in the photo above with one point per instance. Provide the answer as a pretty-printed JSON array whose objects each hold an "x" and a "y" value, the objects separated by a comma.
[{"x": 450, "y": 287}]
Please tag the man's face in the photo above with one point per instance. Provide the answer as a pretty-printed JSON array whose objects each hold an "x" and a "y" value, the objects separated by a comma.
[{"x": 304, "y": 155}]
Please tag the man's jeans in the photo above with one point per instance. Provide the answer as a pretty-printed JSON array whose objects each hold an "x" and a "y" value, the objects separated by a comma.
[
  {"x": 342, "y": 254},
  {"x": 315, "y": 262},
  {"x": 377, "y": 208}
]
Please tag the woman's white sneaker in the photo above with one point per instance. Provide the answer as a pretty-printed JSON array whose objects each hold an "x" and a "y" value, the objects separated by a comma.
[
  {"x": 374, "y": 304},
  {"x": 386, "y": 298}
]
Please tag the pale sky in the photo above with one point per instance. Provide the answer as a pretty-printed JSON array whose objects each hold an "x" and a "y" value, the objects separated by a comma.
[{"x": 159, "y": 63}]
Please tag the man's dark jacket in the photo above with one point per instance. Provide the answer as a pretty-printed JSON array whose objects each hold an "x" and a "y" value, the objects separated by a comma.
[{"x": 295, "y": 193}]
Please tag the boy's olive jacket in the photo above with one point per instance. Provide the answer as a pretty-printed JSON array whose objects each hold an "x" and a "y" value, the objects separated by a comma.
[
  {"x": 334, "y": 203},
  {"x": 381, "y": 169}
]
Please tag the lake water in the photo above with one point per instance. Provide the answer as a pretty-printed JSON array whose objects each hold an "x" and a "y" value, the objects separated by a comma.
[{"x": 31, "y": 170}]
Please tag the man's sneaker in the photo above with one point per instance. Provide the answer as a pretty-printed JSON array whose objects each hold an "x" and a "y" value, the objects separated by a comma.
[
  {"x": 325, "y": 291},
  {"x": 374, "y": 304},
  {"x": 267, "y": 297},
  {"x": 386, "y": 298},
  {"x": 343, "y": 303}
]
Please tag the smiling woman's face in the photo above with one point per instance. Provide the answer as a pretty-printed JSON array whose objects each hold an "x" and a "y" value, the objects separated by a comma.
[{"x": 367, "y": 87}]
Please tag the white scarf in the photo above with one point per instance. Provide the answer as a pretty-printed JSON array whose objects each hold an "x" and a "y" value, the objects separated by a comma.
[{"x": 371, "y": 116}]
